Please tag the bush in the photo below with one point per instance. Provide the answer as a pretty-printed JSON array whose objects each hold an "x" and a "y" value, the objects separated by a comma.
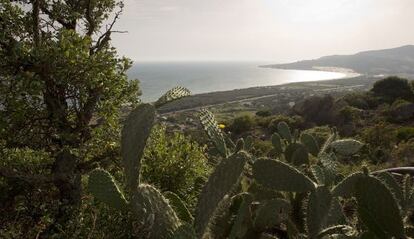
[
  {"x": 364, "y": 100},
  {"x": 174, "y": 163},
  {"x": 380, "y": 135},
  {"x": 392, "y": 88},
  {"x": 320, "y": 133},
  {"x": 403, "y": 154},
  {"x": 261, "y": 148},
  {"x": 242, "y": 124},
  {"x": 317, "y": 109},
  {"x": 263, "y": 113},
  {"x": 295, "y": 122},
  {"x": 405, "y": 133}
]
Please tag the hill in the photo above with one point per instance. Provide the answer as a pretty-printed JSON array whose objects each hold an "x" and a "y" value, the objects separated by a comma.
[{"x": 397, "y": 61}]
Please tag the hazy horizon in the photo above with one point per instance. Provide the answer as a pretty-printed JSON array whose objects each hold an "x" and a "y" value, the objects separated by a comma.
[{"x": 260, "y": 30}]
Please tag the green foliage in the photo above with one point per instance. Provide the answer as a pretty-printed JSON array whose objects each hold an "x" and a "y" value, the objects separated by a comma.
[
  {"x": 319, "y": 133},
  {"x": 272, "y": 122},
  {"x": 264, "y": 113},
  {"x": 173, "y": 163},
  {"x": 405, "y": 133},
  {"x": 242, "y": 124},
  {"x": 392, "y": 88}
]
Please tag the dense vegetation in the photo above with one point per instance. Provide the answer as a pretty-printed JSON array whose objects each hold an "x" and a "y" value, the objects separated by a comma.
[{"x": 81, "y": 157}]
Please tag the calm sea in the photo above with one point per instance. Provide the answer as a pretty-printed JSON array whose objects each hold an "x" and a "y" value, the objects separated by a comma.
[{"x": 201, "y": 77}]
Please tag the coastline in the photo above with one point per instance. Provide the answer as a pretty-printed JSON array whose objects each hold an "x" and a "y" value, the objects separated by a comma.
[{"x": 351, "y": 81}]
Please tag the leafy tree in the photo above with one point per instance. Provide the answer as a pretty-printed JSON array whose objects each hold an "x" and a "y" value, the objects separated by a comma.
[
  {"x": 392, "y": 88},
  {"x": 62, "y": 85}
]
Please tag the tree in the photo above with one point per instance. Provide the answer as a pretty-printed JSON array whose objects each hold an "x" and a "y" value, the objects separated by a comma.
[
  {"x": 392, "y": 88},
  {"x": 62, "y": 85}
]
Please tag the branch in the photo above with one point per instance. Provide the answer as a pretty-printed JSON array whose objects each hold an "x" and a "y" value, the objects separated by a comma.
[
  {"x": 35, "y": 19},
  {"x": 105, "y": 37},
  {"x": 89, "y": 19}
]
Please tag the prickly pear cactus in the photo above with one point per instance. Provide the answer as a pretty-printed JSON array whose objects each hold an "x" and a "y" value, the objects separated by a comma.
[
  {"x": 378, "y": 208},
  {"x": 242, "y": 221},
  {"x": 271, "y": 213},
  {"x": 280, "y": 176},
  {"x": 135, "y": 133},
  {"x": 277, "y": 144},
  {"x": 103, "y": 187},
  {"x": 148, "y": 202},
  {"x": 179, "y": 207},
  {"x": 310, "y": 143},
  {"x": 346, "y": 187},
  {"x": 319, "y": 204},
  {"x": 284, "y": 131},
  {"x": 171, "y": 95},
  {"x": 220, "y": 183},
  {"x": 346, "y": 147},
  {"x": 210, "y": 125}
]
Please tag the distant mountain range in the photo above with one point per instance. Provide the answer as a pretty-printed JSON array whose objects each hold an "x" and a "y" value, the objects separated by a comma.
[{"x": 395, "y": 61}]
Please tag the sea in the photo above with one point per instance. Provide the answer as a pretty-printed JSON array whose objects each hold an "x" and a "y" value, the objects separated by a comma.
[{"x": 202, "y": 77}]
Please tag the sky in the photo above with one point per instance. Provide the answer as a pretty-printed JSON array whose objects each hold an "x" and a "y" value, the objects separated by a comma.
[{"x": 260, "y": 30}]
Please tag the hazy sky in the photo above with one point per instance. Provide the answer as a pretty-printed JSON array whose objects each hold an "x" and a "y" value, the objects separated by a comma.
[{"x": 270, "y": 30}]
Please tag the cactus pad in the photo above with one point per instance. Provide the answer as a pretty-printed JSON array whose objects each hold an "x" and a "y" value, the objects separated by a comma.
[
  {"x": 149, "y": 202},
  {"x": 179, "y": 207},
  {"x": 135, "y": 133},
  {"x": 271, "y": 214},
  {"x": 171, "y": 95},
  {"x": 319, "y": 203},
  {"x": 346, "y": 147},
  {"x": 210, "y": 125},
  {"x": 346, "y": 187},
  {"x": 280, "y": 176},
  {"x": 224, "y": 178},
  {"x": 310, "y": 143},
  {"x": 103, "y": 187},
  {"x": 284, "y": 131},
  {"x": 378, "y": 208}
]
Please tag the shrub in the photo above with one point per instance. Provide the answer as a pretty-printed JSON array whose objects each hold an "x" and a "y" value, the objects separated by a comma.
[
  {"x": 403, "y": 154},
  {"x": 174, "y": 163},
  {"x": 364, "y": 100},
  {"x": 242, "y": 124},
  {"x": 320, "y": 133},
  {"x": 317, "y": 109},
  {"x": 405, "y": 133},
  {"x": 296, "y": 122},
  {"x": 263, "y": 113},
  {"x": 380, "y": 135},
  {"x": 392, "y": 88},
  {"x": 261, "y": 148}
]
